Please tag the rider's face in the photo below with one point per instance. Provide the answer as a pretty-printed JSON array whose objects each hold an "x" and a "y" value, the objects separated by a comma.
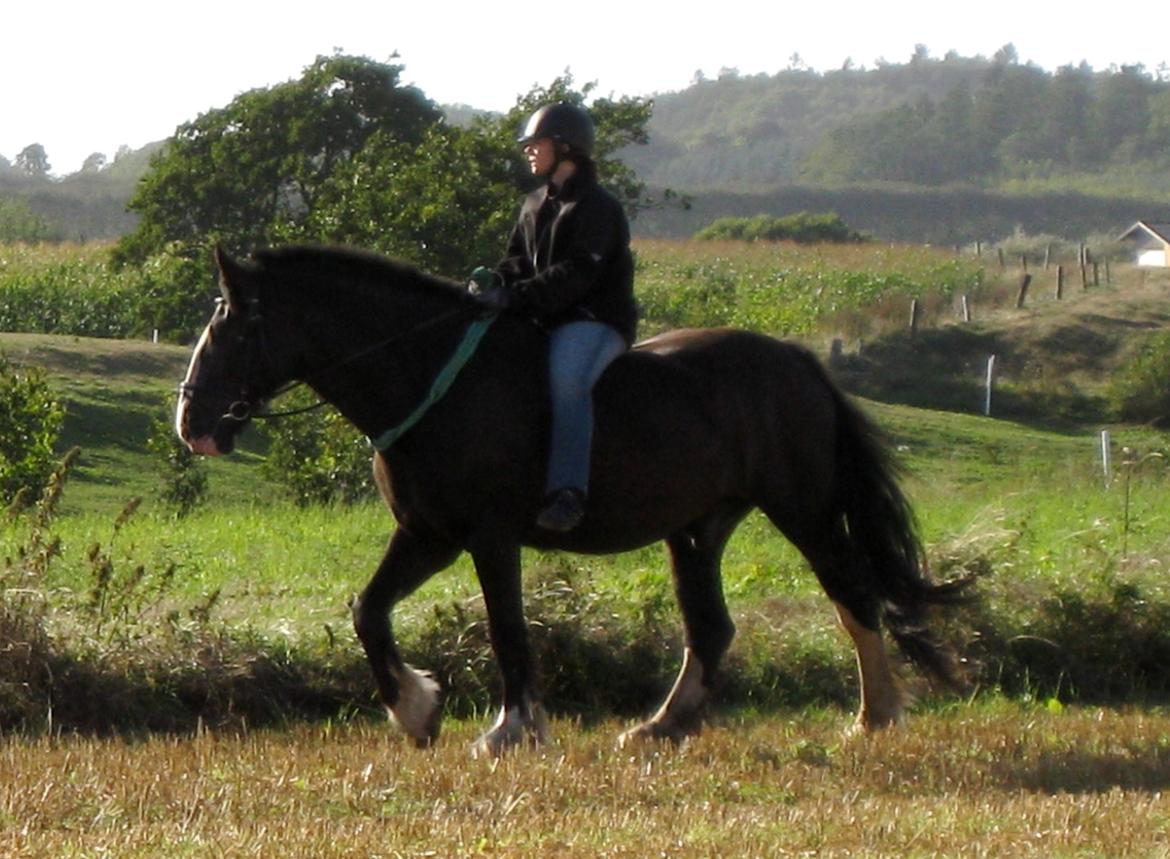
[{"x": 541, "y": 155}]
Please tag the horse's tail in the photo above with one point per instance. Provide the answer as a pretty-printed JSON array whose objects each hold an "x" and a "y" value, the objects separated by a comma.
[{"x": 883, "y": 534}]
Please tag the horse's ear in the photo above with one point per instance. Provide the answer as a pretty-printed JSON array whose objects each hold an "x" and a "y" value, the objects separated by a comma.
[{"x": 231, "y": 278}]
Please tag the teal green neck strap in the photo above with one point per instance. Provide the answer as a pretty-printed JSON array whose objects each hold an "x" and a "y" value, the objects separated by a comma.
[{"x": 442, "y": 383}]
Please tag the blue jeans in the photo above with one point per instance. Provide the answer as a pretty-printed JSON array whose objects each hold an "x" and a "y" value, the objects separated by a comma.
[{"x": 578, "y": 354}]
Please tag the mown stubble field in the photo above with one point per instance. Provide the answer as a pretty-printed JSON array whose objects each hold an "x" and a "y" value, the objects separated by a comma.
[{"x": 989, "y": 779}]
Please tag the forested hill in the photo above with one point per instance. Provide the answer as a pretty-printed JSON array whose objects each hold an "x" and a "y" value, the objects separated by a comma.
[
  {"x": 972, "y": 121},
  {"x": 940, "y": 150}
]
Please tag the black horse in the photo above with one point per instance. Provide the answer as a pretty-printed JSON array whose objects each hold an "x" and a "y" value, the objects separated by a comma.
[{"x": 694, "y": 429}]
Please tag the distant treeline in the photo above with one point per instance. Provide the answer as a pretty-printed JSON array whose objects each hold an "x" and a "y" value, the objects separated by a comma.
[
  {"x": 88, "y": 204},
  {"x": 936, "y": 216},
  {"x": 990, "y": 123}
]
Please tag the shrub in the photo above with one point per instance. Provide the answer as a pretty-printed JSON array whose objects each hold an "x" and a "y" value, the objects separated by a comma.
[
  {"x": 803, "y": 228},
  {"x": 1138, "y": 391},
  {"x": 30, "y": 424},
  {"x": 183, "y": 475},
  {"x": 318, "y": 457}
]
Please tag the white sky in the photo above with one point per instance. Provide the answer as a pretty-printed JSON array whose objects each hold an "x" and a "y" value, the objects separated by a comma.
[{"x": 89, "y": 77}]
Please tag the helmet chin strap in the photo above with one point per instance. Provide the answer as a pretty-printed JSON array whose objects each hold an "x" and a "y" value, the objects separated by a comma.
[{"x": 562, "y": 155}]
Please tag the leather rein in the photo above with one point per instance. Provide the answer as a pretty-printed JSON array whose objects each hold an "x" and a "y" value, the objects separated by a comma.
[{"x": 244, "y": 408}]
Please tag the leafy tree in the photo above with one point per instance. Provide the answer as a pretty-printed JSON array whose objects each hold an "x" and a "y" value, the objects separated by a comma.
[
  {"x": 93, "y": 163},
  {"x": 1122, "y": 112},
  {"x": 447, "y": 203},
  {"x": 318, "y": 457},
  {"x": 32, "y": 161},
  {"x": 250, "y": 173}
]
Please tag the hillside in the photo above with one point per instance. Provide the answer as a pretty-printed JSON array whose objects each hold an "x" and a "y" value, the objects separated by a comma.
[
  {"x": 1054, "y": 359},
  {"x": 114, "y": 391}
]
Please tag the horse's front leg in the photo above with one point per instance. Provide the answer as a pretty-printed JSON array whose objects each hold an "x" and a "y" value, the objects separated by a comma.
[
  {"x": 411, "y": 697},
  {"x": 521, "y": 719}
]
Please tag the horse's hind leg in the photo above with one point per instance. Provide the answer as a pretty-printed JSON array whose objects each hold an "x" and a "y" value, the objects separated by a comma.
[
  {"x": 410, "y": 696},
  {"x": 858, "y": 611},
  {"x": 695, "y": 557},
  {"x": 881, "y": 696}
]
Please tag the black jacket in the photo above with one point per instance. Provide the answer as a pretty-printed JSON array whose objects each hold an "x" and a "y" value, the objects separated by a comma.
[{"x": 569, "y": 257}]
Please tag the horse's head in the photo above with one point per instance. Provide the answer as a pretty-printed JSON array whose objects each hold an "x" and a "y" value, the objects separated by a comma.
[{"x": 231, "y": 372}]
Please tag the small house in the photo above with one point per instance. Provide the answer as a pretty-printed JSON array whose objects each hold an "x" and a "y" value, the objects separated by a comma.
[{"x": 1151, "y": 242}]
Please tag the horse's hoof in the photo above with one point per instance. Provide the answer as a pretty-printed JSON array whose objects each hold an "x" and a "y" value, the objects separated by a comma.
[
  {"x": 418, "y": 712},
  {"x": 513, "y": 728},
  {"x": 649, "y": 732}
]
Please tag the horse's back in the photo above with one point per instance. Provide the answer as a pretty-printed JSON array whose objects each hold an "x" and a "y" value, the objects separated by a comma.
[{"x": 707, "y": 414}]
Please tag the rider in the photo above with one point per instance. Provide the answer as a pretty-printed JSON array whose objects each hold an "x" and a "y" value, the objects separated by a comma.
[{"x": 569, "y": 266}]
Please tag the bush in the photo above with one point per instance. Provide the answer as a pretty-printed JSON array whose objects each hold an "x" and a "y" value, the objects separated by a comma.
[
  {"x": 803, "y": 228},
  {"x": 318, "y": 457},
  {"x": 183, "y": 475},
  {"x": 30, "y": 424},
  {"x": 1138, "y": 391}
]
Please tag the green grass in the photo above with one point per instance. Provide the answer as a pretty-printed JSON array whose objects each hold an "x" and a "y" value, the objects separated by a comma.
[{"x": 1021, "y": 502}]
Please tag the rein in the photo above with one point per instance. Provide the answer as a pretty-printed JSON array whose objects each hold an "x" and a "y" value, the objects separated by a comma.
[
  {"x": 242, "y": 409},
  {"x": 349, "y": 359}
]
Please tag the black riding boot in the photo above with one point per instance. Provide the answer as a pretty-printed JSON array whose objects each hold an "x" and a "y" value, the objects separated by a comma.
[{"x": 563, "y": 511}]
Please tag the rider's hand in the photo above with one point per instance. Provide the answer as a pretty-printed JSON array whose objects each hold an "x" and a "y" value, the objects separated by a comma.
[{"x": 483, "y": 279}]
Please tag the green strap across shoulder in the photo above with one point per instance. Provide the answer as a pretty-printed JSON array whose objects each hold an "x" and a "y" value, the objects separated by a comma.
[{"x": 442, "y": 383}]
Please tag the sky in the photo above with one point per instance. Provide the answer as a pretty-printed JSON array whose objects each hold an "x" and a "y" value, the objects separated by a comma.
[{"x": 80, "y": 78}]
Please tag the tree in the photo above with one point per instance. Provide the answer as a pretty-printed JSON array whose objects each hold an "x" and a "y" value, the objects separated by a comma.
[
  {"x": 93, "y": 163},
  {"x": 448, "y": 203},
  {"x": 250, "y": 173},
  {"x": 1122, "y": 113},
  {"x": 32, "y": 161}
]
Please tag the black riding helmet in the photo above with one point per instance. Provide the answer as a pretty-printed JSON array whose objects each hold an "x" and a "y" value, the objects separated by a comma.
[{"x": 564, "y": 123}]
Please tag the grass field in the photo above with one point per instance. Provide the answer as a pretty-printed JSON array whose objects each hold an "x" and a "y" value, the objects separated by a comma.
[
  {"x": 250, "y": 590},
  {"x": 993, "y": 779}
]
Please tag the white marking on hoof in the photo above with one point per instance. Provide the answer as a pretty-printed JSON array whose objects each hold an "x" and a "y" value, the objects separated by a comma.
[
  {"x": 514, "y": 726},
  {"x": 416, "y": 712},
  {"x": 678, "y": 717},
  {"x": 882, "y": 701}
]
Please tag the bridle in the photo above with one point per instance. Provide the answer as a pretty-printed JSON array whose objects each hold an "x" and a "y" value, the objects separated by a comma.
[{"x": 245, "y": 406}]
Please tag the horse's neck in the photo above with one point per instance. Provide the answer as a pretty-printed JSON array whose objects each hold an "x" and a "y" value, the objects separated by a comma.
[{"x": 374, "y": 365}]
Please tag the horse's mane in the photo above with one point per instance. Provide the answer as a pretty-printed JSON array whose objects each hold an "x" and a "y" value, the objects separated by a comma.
[{"x": 350, "y": 268}]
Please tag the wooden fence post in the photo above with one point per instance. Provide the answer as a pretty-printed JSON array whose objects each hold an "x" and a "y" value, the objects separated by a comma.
[
  {"x": 966, "y": 307},
  {"x": 1025, "y": 282},
  {"x": 1059, "y": 282},
  {"x": 914, "y": 317}
]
